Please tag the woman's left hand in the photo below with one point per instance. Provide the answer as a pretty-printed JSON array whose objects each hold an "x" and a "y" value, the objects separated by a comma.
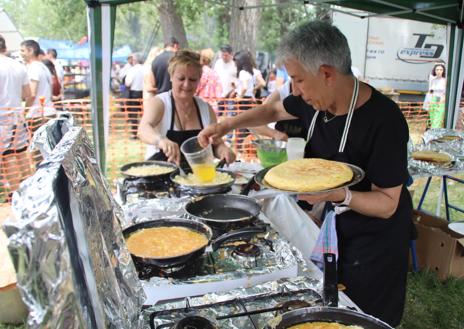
[{"x": 222, "y": 151}]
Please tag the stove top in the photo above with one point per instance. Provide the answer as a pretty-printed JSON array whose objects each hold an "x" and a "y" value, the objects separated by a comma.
[
  {"x": 249, "y": 308},
  {"x": 130, "y": 190},
  {"x": 261, "y": 258}
]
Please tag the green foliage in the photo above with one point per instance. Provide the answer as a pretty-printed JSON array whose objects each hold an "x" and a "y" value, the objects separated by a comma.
[
  {"x": 278, "y": 20},
  {"x": 64, "y": 19},
  {"x": 136, "y": 25},
  {"x": 431, "y": 304}
]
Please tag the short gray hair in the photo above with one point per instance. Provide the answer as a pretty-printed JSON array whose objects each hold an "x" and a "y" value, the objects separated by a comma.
[{"x": 316, "y": 43}]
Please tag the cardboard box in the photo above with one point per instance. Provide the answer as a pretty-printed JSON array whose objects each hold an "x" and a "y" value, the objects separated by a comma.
[{"x": 438, "y": 249}]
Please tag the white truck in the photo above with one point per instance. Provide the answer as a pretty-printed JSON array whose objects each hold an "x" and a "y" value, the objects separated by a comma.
[{"x": 393, "y": 53}]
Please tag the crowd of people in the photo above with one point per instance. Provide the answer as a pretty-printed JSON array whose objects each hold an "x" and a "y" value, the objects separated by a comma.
[
  {"x": 36, "y": 83},
  {"x": 228, "y": 81}
]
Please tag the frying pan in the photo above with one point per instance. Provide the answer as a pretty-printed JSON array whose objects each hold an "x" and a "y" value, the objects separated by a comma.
[
  {"x": 223, "y": 209},
  {"x": 125, "y": 167},
  {"x": 204, "y": 190},
  {"x": 326, "y": 314},
  {"x": 195, "y": 226}
]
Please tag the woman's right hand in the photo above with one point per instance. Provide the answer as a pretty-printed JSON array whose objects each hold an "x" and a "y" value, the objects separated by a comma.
[
  {"x": 212, "y": 134},
  {"x": 170, "y": 149}
]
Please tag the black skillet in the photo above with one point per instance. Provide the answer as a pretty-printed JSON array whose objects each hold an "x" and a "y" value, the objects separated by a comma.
[
  {"x": 222, "y": 210},
  {"x": 326, "y": 314},
  {"x": 196, "y": 226}
]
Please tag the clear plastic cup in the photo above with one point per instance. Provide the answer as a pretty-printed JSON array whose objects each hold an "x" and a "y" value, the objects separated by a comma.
[
  {"x": 200, "y": 159},
  {"x": 295, "y": 148}
]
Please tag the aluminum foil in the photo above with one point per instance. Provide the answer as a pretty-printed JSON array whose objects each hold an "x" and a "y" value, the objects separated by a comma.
[
  {"x": 424, "y": 168},
  {"x": 215, "y": 305},
  {"x": 73, "y": 268},
  {"x": 48, "y": 135},
  {"x": 434, "y": 135},
  {"x": 150, "y": 209},
  {"x": 284, "y": 256}
]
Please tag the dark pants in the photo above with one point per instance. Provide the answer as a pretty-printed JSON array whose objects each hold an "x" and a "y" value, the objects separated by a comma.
[
  {"x": 134, "y": 108},
  {"x": 378, "y": 287}
]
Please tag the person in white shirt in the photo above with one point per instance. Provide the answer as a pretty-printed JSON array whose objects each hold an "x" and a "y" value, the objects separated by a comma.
[
  {"x": 14, "y": 87},
  {"x": 134, "y": 82},
  {"x": 40, "y": 81},
  {"x": 52, "y": 56},
  {"x": 227, "y": 71}
]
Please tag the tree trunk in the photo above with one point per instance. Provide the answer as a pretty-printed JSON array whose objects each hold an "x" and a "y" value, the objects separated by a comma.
[
  {"x": 172, "y": 24},
  {"x": 244, "y": 25}
]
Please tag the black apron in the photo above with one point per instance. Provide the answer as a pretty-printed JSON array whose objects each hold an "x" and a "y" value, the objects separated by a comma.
[
  {"x": 378, "y": 288},
  {"x": 179, "y": 136}
]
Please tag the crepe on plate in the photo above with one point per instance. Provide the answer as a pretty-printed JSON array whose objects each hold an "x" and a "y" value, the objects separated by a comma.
[
  {"x": 308, "y": 175},
  {"x": 431, "y": 156}
]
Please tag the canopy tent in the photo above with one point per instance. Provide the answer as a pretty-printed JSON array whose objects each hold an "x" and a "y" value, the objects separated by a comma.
[
  {"x": 451, "y": 12},
  {"x": 9, "y": 32},
  {"x": 67, "y": 50}
]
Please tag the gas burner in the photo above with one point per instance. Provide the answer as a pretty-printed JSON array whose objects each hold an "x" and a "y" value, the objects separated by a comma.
[
  {"x": 247, "y": 250},
  {"x": 190, "y": 269},
  {"x": 291, "y": 305},
  {"x": 194, "y": 322}
]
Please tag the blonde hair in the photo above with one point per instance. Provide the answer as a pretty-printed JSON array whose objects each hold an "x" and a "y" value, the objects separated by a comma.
[
  {"x": 206, "y": 56},
  {"x": 185, "y": 58},
  {"x": 155, "y": 51}
]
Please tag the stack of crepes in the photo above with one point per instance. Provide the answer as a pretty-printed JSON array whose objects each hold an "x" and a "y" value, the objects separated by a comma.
[{"x": 308, "y": 175}]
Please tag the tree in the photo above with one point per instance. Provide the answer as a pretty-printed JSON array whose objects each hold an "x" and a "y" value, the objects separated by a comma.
[
  {"x": 171, "y": 22},
  {"x": 278, "y": 17},
  {"x": 244, "y": 25}
]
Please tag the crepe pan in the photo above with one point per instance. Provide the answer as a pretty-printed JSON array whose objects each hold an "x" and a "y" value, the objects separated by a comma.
[
  {"x": 204, "y": 189},
  {"x": 196, "y": 226},
  {"x": 221, "y": 210},
  {"x": 326, "y": 314},
  {"x": 127, "y": 166},
  {"x": 358, "y": 175}
]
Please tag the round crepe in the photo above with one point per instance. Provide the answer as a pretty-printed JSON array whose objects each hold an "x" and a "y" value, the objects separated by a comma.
[{"x": 308, "y": 175}]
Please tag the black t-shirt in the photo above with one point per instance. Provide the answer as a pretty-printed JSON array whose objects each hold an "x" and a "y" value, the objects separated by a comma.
[
  {"x": 377, "y": 143},
  {"x": 159, "y": 67}
]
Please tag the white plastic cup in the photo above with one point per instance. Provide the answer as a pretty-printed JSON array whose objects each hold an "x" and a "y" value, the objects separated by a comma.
[
  {"x": 295, "y": 148},
  {"x": 200, "y": 159}
]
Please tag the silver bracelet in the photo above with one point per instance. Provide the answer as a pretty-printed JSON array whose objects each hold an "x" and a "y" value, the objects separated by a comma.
[{"x": 347, "y": 200}]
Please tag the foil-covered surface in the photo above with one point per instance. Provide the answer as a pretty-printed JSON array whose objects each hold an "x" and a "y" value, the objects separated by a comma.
[
  {"x": 226, "y": 267},
  {"x": 149, "y": 209},
  {"x": 48, "y": 135},
  {"x": 433, "y": 141},
  {"x": 267, "y": 298},
  {"x": 438, "y": 135},
  {"x": 73, "y": 268},
  {"x": 282, "y": 255}
]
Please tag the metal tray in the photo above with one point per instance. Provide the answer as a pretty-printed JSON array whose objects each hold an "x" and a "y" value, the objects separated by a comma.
[{"x": 358, "y": 175}]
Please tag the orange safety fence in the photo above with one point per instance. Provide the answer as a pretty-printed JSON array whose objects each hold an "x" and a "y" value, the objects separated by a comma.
[{"x": 17, "y": 161}]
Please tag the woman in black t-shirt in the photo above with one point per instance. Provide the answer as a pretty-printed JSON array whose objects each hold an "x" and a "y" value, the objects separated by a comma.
[{"x": 348, "y": 121}]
